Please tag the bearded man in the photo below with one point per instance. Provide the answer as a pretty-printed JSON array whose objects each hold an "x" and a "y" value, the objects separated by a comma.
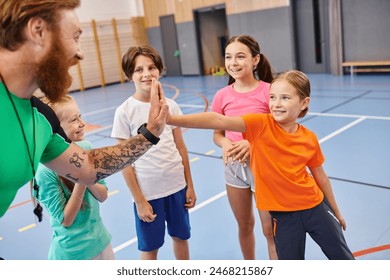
[{"x": 39, "y": 41}]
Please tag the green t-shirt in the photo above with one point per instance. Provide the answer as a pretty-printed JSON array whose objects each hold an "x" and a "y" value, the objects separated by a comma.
[
  {"x": 87, "y": 236},
  {"x": 50, "y": 142}
]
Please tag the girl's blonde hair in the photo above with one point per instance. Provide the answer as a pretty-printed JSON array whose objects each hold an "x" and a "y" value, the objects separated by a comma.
[
  {"x": 58, "y": 105},
  {"x": 300, "y": 82}
]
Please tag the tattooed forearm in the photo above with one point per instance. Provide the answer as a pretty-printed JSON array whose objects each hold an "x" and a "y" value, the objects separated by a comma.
[{"x": 110, "y": 160}]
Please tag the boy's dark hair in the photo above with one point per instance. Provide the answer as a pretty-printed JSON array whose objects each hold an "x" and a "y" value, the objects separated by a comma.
[{"x": 128, "y": 59}]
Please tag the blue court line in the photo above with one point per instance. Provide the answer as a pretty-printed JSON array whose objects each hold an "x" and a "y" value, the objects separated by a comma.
[
  {"x": 342, "y": 129},
  {"x": 342, "y": 103},
  {"x": 360, "y": 183},
  {"x": 346, "y": 102},
  {"x": 202, "y": 154},
  {"x": 349, "y": 116}
]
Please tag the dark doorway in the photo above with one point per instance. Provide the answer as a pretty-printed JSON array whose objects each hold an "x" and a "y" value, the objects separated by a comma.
[
  {"x": 170, "y": 45},
  {"x": 211, "y": 35},
  {"x": 311, "y": 26}
]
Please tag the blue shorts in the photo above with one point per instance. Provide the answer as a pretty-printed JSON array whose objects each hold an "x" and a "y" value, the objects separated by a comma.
[
  {"x": 238, "y": 176},
  {"x": 170, "y": 209}
]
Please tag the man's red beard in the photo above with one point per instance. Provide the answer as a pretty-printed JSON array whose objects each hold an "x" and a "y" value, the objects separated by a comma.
[{"x": 53, "y": 73}]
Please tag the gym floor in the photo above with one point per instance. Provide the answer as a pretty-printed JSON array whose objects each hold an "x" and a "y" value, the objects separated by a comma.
[{"x": 351, "y": 117}]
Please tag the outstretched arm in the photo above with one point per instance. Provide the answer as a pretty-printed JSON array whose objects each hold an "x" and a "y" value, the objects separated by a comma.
[
  {"x": 89, "y": 166},
  {"x": 208, "y": 120}
]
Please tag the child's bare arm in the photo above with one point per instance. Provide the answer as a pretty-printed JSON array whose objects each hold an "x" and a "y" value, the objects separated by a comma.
[{"x": 323, "y": 182}]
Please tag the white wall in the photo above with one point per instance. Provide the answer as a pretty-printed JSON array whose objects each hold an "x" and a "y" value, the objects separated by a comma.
[{"x": 107, "y": 9}]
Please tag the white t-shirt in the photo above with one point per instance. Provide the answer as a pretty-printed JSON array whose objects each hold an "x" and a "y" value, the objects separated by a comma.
[{"x": 159, "y": 171}]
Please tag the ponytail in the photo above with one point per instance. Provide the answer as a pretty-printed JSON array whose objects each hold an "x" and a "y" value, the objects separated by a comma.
[{"x": 264, "y": 70}]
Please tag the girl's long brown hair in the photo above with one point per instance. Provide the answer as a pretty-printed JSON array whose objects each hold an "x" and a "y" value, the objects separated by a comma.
[{"x": 263, "y": 70}]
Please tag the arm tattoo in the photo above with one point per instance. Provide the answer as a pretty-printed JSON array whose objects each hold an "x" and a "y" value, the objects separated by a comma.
[
  {"x": 75, "y": 159},
  {"x": 109, "y": 160},
  {"x": 69, "y": 176}
]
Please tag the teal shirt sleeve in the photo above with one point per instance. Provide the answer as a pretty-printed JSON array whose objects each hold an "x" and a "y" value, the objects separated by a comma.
[{"x": 49, "y": 193}]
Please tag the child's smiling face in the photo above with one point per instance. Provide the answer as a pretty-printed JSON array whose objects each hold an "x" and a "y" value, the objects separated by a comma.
[{"x": 285, "y": 103}]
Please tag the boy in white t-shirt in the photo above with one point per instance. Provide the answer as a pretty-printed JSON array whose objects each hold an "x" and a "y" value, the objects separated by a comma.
[{"x": 160, "y": 181}]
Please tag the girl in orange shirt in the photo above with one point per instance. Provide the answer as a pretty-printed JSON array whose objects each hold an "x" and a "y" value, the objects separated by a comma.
[{"x": 281, "y": 149}]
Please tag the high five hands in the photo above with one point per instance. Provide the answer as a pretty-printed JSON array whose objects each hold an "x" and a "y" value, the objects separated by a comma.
[{"x": 159, "y": 109}]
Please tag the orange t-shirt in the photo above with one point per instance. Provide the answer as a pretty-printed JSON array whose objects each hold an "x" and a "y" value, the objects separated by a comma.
[{"x": 278, "y": 163}]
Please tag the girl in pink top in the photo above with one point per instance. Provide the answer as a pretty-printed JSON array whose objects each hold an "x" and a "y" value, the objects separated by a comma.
[{"x": 248, "y": 92}]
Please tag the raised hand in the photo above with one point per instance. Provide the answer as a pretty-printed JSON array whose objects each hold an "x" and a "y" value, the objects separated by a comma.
[{"x": 158, "y": 109}]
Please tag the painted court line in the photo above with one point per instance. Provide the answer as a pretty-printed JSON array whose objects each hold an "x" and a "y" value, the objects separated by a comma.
[
  {"x": 371, "y": 250},
  {"x": 208, "y": 201},
  {"x": 113, "y": 192},
  {"x": 194, "y": 159},
  {"x": 27, "y": 227},
  {"x": 349, "y": 116},
  {"x": 191, "y": 106},
  {"x": 99, "y": 111},
  {"x": 124, "y": 245},
  {"x": 344, "y": 128}
]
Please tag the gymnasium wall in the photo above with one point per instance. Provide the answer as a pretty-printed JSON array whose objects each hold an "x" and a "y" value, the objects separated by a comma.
[
  {"x": 259, "y": 18},
  {"x": 106, "y": 10},
  {"x": 111, "y": 27},
  {"x": 272, "y": 28},
  {"x": 108, "y": 31},
  {"x": 366, "y": 34},
  {"x": 364, "y": 28},
  {"x": 103, "y": 44}
]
